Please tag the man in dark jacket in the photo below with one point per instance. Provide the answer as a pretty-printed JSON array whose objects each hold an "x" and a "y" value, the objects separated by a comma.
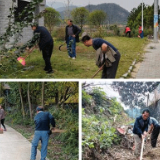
[
  {"x": 45, "y": 44},
  {"x": 42, "y": 131},
  {"x": 109, "y": 71},
  {"x": 154, "y": 129},
  {"x": 72, "y": 36},
  {"x": 140, "y": 130}
]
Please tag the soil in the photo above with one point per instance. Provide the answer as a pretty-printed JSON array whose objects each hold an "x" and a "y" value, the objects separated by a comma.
[{"x": 119, "y": 153}]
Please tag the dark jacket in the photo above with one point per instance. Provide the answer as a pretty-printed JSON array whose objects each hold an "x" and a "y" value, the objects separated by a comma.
[
  {"x": 43, "y": 120},
  {"x": 76, "y": 32},
  {"x": 140, "y": 126},
  {"x": 45, "y": 37}
]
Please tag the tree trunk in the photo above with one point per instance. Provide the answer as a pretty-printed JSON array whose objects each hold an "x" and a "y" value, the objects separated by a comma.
[
  {"x": 20, "y": 92},
  {"x": 29, "y": 101},
  {"x": 56, "y": 97},
  {"x": 42, "y": 94}
]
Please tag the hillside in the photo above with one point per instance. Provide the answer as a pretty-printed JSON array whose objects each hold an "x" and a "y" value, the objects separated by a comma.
[{"x": 115, "y": 13}]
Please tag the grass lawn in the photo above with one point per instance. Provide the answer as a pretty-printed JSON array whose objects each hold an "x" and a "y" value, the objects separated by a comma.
[{"x": 83, "y": 67}]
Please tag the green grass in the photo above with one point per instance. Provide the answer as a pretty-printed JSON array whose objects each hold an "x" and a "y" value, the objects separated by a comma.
[{"x": 84, "y": 65}]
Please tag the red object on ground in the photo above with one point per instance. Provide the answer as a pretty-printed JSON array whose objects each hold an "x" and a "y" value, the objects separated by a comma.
[
  {"x": 21, "y": 60},
  {"x": 120, "y": 130},
  {"x": 127, "y": 29},
  {"x": 1, "y": 131}
]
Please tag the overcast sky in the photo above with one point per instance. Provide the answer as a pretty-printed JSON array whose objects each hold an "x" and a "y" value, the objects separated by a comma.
[{"x": 127, "y": 4}]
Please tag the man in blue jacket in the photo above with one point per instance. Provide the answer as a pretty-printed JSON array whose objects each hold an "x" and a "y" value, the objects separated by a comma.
[
  {"x": 45, "y": 42},
  {"x": 42, "y": 131},
  {"x": 71, "y": 37},
  {"x": 140, "y": 130}
]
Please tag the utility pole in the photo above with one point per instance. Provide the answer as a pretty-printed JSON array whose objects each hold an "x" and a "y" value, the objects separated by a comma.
[
  {"x": 156, "y": 21},
  {"x": 142, "y": 35}
]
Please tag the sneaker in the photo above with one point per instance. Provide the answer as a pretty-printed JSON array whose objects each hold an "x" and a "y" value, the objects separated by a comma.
[
  {"x": 69, "y": 57},
  {"x": 50, "y": 71},
  {"x": 5, "y": 129},
  {"x": 73, "y": 57}
]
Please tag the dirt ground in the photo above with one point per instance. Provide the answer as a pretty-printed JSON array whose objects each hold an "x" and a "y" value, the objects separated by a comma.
[{"x": 122, "y": 153}]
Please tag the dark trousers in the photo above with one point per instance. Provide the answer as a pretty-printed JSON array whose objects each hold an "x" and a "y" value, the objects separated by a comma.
[
  {"x": 2, "y": 122},
  {"x": 47, "y": 52},
  {"x": 110, "y": 72},
  {"x": 154, "y": 135},
  {"x": 128, "y": 33}
]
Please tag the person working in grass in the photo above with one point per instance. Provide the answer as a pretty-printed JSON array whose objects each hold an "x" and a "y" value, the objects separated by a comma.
[
  {"x": 154, "y": 129},
  {"x": 140, "y": 130},
  {"x": 107, "y": 55},
  {"x": 45, "y": 42},
  {"x": 71, "y": 37},
  {"x": 2, "y": 118},
  {"x": 42, "y": 131}
]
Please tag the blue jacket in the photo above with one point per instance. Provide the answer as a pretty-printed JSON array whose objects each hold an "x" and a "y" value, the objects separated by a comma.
[
  {"x": 43, "y": 120},
  {"x": 140, "y": 126}
]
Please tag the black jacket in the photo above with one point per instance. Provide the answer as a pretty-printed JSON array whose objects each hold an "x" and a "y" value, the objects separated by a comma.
[
  {"x": 76, "y": 32},
  {"x": 140, "y": 126},
  {"x": 45, "y": 37}
]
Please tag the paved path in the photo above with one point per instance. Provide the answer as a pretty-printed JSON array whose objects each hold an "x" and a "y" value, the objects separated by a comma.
[
  {"x": 13, "y": 146},
  {"x": 150, "y": 67}
]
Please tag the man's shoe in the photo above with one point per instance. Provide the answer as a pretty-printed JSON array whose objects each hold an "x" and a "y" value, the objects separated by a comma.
[
  {"x": 50, "y": 71},
  {"x": 73, "y": 57}
]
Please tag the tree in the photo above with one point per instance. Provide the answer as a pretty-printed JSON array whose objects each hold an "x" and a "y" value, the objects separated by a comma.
[
  {"x": 43, "y": 94},
  {"x": 29, "y": 100},
  {"x": 80, "y": 16},
  {"x": 67, "y": 12},
  {"x": 134, "y": 93},
  {"x": 51, "y": 18},
  {"x": 97, "y": 17},
  {"x": 20, "y": 92}
]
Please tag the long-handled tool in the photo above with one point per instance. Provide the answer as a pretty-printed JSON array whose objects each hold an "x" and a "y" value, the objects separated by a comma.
[
  {"x": 22, "y": 59},
  {"x": 142, "y": 146},
  {"x": 98, "y": 71},
  {"x": 56, "y": 130}
]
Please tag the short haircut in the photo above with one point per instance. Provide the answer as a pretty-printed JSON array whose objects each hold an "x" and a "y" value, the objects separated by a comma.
[
  {"x": 39, "y": 108},
  {"x": 35, "y": 24},
  {"x": 86, "y": 38},
  {"x": 70, "y": 20},
  {"x": 145, "y": 110}
]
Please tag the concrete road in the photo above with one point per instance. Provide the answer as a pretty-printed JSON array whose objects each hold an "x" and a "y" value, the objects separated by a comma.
[
  {"x": 150, "y": 67},
  {"x": 13, "y": 146}
]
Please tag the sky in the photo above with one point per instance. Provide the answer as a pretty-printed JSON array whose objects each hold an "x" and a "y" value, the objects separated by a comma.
[
  {"x": 127, "y": 4},
  {"x": 108, "y": 90}
]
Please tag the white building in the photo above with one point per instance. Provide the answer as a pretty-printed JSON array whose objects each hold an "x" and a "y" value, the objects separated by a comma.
[{"x": 19, "y": 4}]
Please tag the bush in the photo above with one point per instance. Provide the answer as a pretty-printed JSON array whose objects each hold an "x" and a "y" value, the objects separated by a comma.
[
  {"x": 59, "y": 34},
  {"x": 86, "y": 98}
]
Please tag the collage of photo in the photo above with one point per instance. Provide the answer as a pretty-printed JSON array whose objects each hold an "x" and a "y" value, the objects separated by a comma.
[{"x": 79, "y": 80}]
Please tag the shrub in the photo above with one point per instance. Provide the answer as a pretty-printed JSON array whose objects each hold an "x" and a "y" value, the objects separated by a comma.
[{"x": 59, "y": 34}]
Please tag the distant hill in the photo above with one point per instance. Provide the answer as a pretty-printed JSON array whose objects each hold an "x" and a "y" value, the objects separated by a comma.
[
  {"x": 62, "y": 9},
  {"x": 115, "y": 13}
]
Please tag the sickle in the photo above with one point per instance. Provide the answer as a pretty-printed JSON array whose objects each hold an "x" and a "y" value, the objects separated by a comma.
[{"x": 61, "y": 46}]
